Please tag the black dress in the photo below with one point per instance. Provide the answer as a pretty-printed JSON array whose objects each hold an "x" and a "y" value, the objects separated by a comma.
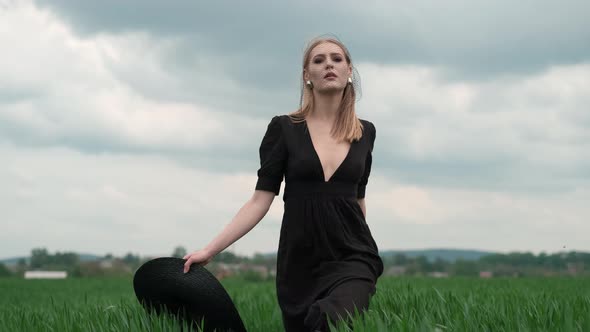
[{"x": 328, "y": 262}]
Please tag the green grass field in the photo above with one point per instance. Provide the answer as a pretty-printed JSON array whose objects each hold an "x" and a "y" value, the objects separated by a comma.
[{"x": 401, "y": 304}]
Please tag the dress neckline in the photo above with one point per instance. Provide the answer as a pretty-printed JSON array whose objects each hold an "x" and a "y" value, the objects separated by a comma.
[{"x": 319, "y": 161}]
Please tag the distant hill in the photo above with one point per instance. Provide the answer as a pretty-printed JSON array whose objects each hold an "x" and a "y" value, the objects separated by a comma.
[
  {"x": 83, "y": 258},
  {"x": 449, "y": 255},
  {"x": 13, "y": 260}
]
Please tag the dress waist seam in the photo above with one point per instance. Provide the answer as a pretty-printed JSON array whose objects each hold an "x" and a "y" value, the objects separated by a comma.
[{"x": 315, "y": 188}]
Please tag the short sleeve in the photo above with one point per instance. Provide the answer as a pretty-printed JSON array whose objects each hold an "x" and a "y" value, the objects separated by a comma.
[
  {"x": 273, "y": 156},
  {"x": 368, "y": 161}
]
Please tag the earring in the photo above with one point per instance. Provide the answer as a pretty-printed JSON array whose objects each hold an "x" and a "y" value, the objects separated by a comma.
[
  {"x": 309, "y": 84},
  {"x": 350, "y": 80}
]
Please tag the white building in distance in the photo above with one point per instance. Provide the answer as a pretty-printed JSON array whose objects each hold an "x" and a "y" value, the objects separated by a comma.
[{"x": 46, "y": 274}]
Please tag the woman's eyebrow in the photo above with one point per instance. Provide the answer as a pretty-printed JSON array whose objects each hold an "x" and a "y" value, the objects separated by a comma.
[{"x": 322, "y": 54}]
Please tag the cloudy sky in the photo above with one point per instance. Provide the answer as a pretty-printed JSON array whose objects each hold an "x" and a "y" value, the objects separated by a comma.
[{"x": 134, "y": 126}]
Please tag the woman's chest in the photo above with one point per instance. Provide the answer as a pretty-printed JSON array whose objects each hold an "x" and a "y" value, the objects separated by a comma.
[{"x": 318, "y": 158}]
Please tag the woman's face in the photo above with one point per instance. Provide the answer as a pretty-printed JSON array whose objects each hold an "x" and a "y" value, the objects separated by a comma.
[{"x": 327, "y": 68}]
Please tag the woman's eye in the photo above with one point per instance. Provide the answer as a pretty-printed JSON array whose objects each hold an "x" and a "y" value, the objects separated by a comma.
[
  {"x": 317, "y": 61},
  {"x": 337, "y": 59}
]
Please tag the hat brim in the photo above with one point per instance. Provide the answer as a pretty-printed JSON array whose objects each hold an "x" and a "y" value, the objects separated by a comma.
[{"x": 160, "y": 284}]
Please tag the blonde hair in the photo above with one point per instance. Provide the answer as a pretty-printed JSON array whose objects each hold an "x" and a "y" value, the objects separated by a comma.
[{"x": 348, "y": 126}]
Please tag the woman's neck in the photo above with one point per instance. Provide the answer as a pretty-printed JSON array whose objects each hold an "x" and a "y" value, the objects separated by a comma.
[{"x": 326, "y": 106}]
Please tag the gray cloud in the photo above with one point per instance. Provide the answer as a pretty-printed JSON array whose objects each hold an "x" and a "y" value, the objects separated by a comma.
[{"x": 473, "y": 40}]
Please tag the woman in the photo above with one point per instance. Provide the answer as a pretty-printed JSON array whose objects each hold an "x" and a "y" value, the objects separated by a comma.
[{"x": 328, "y": 262}]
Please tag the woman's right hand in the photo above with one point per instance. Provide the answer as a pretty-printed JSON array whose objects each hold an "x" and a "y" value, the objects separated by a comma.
[{"x": 202, "y": 257}]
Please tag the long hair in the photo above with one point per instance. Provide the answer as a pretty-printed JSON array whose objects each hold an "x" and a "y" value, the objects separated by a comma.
[{"x": 348, "y": 126}]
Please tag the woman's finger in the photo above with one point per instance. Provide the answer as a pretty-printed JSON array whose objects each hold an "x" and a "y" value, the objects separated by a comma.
[{"x": 187, "y": 265}]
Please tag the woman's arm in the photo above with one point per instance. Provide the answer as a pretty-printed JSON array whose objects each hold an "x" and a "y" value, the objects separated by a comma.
[
  {"x": 363, "y": 206},
  {"x": 247, "y": 217}
]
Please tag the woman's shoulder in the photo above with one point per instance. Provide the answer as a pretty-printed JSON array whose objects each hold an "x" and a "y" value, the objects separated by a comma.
[
  {"x": 279, "y": 122},
  {"x": 278, "y": 119},
  {"x": 286, "y": 120},
  {"x": 367, "y": 124}
]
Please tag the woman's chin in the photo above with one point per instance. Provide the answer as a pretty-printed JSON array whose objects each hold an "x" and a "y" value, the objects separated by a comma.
[{"x": 330, "y": 89}]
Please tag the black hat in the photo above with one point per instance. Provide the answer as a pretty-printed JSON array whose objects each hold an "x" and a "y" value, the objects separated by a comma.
[{"x": 197, "y": 295}]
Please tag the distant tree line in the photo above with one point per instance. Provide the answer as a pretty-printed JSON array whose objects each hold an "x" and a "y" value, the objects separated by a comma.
[
  {"x": 109, "y": 265},
  {"x": 511, "y": 264},
  {"x": 523, "y": 264},
  {"x": 70, "y": 262}
]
